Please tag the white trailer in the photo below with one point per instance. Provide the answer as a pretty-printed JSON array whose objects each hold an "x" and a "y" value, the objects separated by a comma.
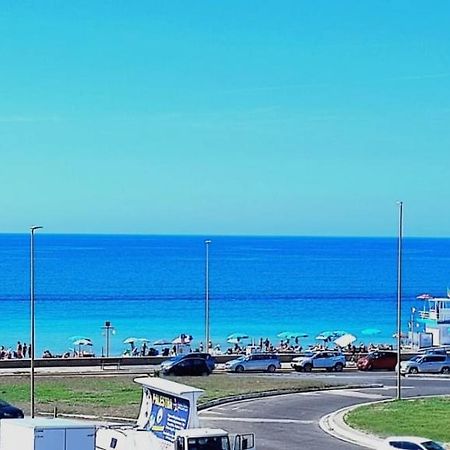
[
  {"x": 46, "y": 434},
  {"x": 168, "y": 420}
]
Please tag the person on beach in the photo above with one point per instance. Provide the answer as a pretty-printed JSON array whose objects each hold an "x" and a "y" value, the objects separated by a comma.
[
  {"x": 25, "y": 348},
  {"x": 19, "y": 350},
  {"x": 144, "y": 349}
]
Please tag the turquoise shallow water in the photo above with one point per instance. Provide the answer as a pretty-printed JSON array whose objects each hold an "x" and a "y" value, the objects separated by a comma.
[{"x": 153, "y": 286}]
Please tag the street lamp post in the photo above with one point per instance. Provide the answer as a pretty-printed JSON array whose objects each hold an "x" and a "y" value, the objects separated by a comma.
[
  {"x": 399, "y": 298},
  {"x": 207, "y": 243},
  {"x": 107, "y": 328},
  {"x": 32, "y": 317}
]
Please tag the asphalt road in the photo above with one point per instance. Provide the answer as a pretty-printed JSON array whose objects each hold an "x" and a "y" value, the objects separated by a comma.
[{"x": 292, "y": 421}]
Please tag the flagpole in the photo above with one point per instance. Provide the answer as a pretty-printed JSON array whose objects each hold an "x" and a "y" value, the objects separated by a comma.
[{"x": 399, "y": 299}]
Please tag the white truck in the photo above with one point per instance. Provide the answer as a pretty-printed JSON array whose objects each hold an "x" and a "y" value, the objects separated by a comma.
[{"x": 168, "y": 420}]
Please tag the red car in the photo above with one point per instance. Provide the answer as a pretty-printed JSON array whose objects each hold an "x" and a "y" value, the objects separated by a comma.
[{"x": 379, "y": 359}]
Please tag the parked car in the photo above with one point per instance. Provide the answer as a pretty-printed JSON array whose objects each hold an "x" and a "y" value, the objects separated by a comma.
[
  {"x": 435, "y": 351},
  {"x": 428, "y": 363},
  {"x": 188, "y": 367},
  {"x": 210, "y": 361},
  {"x": 265, "y": 362},
  {"x": 328, "y": 360},
  {"x": 379, "y": 359},
  {"x": 411, "y": 443},
  {"x": 8, "y": 411}
]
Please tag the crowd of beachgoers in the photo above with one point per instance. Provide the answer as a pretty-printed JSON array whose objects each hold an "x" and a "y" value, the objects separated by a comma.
[{"x": 23, "y": 350}]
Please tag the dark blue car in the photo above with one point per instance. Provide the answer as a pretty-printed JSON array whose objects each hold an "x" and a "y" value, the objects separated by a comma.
[
  {"x": 209, "y": 360},
  {"x": 8, "y": 411}
]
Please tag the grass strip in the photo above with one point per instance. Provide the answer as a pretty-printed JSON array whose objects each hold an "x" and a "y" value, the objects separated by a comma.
[
  {"x": 426, "y": 417},
  {"x": 119, "y": 396}
]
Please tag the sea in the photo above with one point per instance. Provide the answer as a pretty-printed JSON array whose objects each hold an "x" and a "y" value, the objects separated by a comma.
[{"x": 153, "y": 287}]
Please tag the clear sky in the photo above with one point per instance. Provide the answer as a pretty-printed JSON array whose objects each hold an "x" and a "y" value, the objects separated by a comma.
[{"x": 225, "y": 117}]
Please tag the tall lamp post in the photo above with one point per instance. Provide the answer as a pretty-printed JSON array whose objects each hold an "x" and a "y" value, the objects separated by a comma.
[
  {"x": 32, "y": 316},
  {"x": 399, "y": 298},
  {"x": 207, "y": 243},
  {"x": 107, "y": 330}
]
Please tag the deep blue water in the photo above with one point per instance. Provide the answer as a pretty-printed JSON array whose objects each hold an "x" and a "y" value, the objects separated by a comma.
[{"x": 153, "y": 286}]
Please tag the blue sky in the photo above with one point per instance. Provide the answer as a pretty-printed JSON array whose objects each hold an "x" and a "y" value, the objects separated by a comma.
[{"x": 225, "y": 117}]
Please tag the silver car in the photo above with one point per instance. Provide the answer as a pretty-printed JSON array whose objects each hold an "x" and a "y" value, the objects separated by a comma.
[
  {"x": 256, "y": 362},
  {"x": 428, "y": 363}
]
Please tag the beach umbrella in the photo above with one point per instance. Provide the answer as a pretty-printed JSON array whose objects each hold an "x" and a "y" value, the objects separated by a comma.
[
  {"x": 424, "y": 296},
  {"x": 324, "y": 336},
  {"x": 79, "y": 338},
  {"x": 370, "y": 331},
  {"x": 338, "y": 333},
  {"x": 238, "y": 336},
  {"x": 345, "y": 340},
  {"x": 291, "y": 335},
  {"x": 81, "y": 342},
  {"x": 162, "y": 342},
  {"x": 183, "y": 339},
  {"x": 330, "y": 335},
  {"x": 130, "y": 340}
]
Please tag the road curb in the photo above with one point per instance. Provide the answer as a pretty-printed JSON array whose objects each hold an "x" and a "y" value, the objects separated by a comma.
[{"x": 334, "y": 425}]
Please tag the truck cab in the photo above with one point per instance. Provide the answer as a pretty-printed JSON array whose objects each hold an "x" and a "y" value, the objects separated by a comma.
[{"x": 212, "y": 439}]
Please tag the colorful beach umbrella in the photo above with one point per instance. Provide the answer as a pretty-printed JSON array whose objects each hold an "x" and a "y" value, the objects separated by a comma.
[{"x": 370, "y": 331}]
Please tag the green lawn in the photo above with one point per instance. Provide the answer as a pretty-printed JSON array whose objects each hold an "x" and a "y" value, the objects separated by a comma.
[
  {"x": 423, "y": 417},
  {"x": 119, "y": 396}
]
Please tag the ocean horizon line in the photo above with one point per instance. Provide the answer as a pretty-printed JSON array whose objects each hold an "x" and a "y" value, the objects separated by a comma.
[{"x": 212, "y": 236}]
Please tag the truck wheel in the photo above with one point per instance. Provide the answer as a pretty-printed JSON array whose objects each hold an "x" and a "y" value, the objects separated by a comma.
[
  {"x": 338, "y": 367},
  {"x": 413, "y": 370},
  {"x": 307, "y": 367},
  {"x": 271, "y": 368},
  {"x": 445, "y": 370},
  {"x": 239, "y": 369}
]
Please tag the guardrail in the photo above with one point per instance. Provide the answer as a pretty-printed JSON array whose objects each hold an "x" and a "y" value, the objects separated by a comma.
[{"x": 121, "y": 361}]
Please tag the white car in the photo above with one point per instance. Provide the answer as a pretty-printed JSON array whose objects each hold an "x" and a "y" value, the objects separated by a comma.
[
  {"x": 327, "y": 359},
  {"x": 410, "y": 443},
  {"x": 428, "y": 363}
]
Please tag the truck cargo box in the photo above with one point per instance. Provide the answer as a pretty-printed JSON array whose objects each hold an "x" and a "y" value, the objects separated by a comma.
[{"x": 46, "y": 434}]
